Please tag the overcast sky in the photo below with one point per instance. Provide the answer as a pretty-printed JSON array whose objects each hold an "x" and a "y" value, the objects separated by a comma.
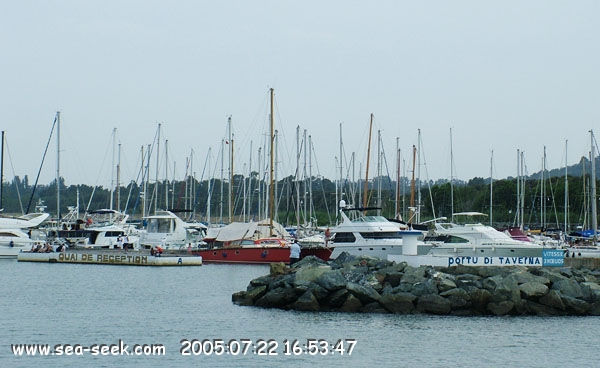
[{"x": 499, "y": 75}]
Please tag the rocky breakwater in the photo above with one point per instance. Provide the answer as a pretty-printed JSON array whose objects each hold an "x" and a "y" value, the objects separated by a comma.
[{"x": 370, "y": 285}]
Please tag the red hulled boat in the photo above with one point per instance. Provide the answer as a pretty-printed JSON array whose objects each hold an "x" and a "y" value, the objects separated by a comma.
[{"x": 241, "y": 242}]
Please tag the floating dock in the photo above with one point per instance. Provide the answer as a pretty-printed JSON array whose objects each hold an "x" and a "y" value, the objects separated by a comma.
[{"x": 110, "y": 258}]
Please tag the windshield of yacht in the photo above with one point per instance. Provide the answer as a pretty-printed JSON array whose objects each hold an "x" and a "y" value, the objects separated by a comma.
[{"x": 370, "y": 219}]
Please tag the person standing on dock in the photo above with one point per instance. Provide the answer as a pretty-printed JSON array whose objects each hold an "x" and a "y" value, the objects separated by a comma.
[{"x": 294, "y": 252}]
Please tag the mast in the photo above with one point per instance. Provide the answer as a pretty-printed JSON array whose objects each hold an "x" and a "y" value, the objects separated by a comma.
[
  {"x": 156, "y": 175},
  {"x": 397, "y": 198},
  {"x": 566, "y": 189},
  {"x": 419, "y": 201},
  {"x": 593, "y": 189},
  {"x": 209, "y": 190},
  {"x": 298, "y": 176},
  {"x": 166, "y": 186},
  {"x": 412, "y": 187},
  {"x": 305, "y": 176},
  {"x": 451, "y": 179},
  {"x": 517, "y": 218},
  {"x": 379, "y": 153},
  {"x": 271, "y": 166},
  {"x": 522, "y": 205},
  {"x": 230, "y": 192},
  {"x": 310, "y": 191},
  {"x": 112, "y": 172},
  {"x": 58, "y": 165},
  {"x": 491, "y": 184},
  {"x": 365, "y": 194},
  {"x": 543, "y": 191},
  {"x": 119, "y": 178}
]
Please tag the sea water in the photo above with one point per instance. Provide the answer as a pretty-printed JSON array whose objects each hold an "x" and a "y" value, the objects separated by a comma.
[{"x": 189, "y": 310}]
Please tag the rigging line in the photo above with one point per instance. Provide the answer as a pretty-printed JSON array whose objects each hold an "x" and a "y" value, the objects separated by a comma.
[
  {"x": 42, "y": 164},
  {"x": 14, "y": 174}
]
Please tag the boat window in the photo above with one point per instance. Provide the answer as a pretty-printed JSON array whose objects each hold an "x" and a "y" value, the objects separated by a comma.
[
  {"x": 382, "y": 235},
  {"x": 456, "y": 239},
  {"x": 113, "y": 233},
  {"x": 344, "y": 238},
  {"x": 159, "y": 225},
  {"x": 370, "y": 219}
]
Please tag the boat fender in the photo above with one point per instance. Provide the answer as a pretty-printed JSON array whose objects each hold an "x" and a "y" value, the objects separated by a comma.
[
  {"x": 224, "y": 254},
  {"x": 264, "y": 253}
]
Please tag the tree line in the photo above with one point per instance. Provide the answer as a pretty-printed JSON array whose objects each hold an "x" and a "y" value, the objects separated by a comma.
[{"x": 317, "y": 200}]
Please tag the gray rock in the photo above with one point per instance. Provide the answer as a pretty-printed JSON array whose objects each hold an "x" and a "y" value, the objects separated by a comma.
[
  {"x": 501, "y": 308},
  {"x": 433, "y": 303},
  {"x": 337, "y": 298},
  {"x": 412, "y": 275},
  {"x": 277, "y": 298},
  {"x": 373, "y": 308},
  {"x": 522, "y": 277},
  {"x": 569, "y": 288},
  {"x": 364, "y": 293},
  {"x": 247, "y": 298},
  {"x": 445, "y": 285},
  {"x": 469, "y": 280},
  {"x": 309, "y": 274},
  {"x": 278, "y": 268},
  {"x": 393, "y": 278},
  {"x": 553, "y": 300},
  {"x": 533, "y": 290},
  {"x": 332, "y": 280},
  {"x": 576, "y": 306},
  {"x": 399, "y": 303},
  {"x": 423, "y": 288},
  {"x": 307, "y": 302},
  {"x": 543, "y": 310},
  {"x": 351, "y": 304},
  {"x": 548, "y": 273},
  {"x": 458, "y": 298}
]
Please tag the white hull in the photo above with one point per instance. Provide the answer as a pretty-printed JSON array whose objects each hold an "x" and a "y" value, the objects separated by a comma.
[{"x": 12, "y": 252}]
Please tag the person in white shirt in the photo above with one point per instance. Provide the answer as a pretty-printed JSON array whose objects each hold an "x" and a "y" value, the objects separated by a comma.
[{"x": 294, "y": 252}]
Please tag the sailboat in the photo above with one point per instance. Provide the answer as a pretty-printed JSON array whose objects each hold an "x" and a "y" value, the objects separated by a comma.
[
  {"x": 255, "y": 242},
  {"x": 587, "y": 249}
]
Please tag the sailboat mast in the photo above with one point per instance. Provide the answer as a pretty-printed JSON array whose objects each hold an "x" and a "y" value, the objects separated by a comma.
[
  {"x": 365, "y": 194},
  {"x": 379, "y": 153},
  {"x": 566, "y": 188},
  {"x": 593, "y": 189},
  {"x": 491, "y": 185},
  {"x": 271, "y": 166},
  {"x": 451, "y": 178},
  {"x": 230, "y": 194},
  {"x": 305, "y": 178},
  {"x": 58, "y": 217},
  {"x": 112, "y": 178},
  {"x": 419, "y": 199},
  {"x": 298, "y": 177},
  {"x": 412, "y": 187},
  {"x": 397, "y": 199},
  {"x": 119, "y": 177},
  {"x": 156, "y": 174}
]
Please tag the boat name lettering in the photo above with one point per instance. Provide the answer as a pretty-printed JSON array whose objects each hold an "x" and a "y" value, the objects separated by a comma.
[{"x": 495, "y": 261}]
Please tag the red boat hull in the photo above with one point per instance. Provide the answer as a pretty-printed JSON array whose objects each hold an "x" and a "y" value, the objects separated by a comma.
[{"x": 258, "y": 255}]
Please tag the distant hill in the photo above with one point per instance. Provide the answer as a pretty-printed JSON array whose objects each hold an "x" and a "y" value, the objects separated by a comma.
[{"x": 584, "y": 167}]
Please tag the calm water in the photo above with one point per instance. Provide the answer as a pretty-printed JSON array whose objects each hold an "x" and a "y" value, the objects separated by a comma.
[{"x": 97, "y": 304}]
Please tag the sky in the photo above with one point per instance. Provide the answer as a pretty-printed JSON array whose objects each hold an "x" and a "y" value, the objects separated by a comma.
[{"x": 475, "y": 80}]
